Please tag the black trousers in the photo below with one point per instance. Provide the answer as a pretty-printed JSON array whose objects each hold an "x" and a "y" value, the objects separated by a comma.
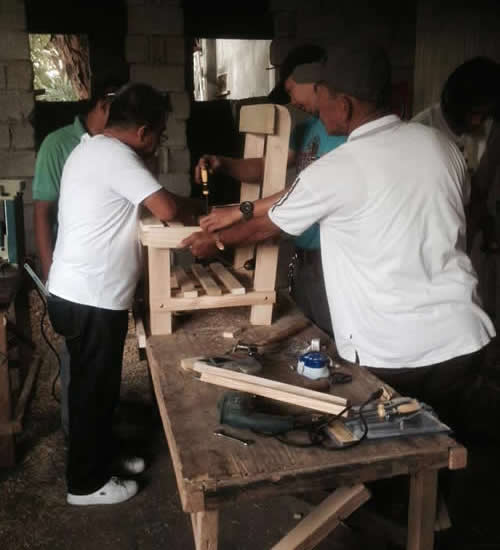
[
  {"x": 95, "y": 338},
  {"x": 308, "y": 288}
]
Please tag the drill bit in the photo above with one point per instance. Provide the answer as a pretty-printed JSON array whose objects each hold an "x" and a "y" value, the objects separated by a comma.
[{"x": 205, "y": 190}]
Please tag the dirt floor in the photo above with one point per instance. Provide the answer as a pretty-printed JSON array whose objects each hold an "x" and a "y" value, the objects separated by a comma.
[{"x": 34, "y": 513}]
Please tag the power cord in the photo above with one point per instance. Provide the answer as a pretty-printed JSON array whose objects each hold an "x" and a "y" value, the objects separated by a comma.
[{"x": 316, "y": 429}]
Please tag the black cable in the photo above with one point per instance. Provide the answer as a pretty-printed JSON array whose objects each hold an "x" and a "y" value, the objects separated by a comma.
[{"x": 49, "y": 344}]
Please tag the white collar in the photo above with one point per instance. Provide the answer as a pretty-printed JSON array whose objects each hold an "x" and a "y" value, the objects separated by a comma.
[{"x": 374, "y": 126}]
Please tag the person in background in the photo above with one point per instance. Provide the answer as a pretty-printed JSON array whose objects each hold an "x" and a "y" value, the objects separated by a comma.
[
  {"x": 308, "y": 142},
  {"x": 51, "y": 157}
]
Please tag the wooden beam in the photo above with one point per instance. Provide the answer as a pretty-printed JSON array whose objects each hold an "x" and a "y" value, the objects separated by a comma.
[
  {"x": 422, "y": 510},
  {"x": 160, "y": 318},
  {"x": 185, "y": 283},
  {"x": 268, "y": 383},
  {"x": 205, "y": 529},
  {"x": 323, "y": 519},
  {"x": 227, "y": 278},
  {"x": 206, "y": 281},
  {"x": 165, "y": 237},
  {"x": 270, "y": 393},
  {"x": 180, "y": 303},
  {"x": 258, "y": 119}
]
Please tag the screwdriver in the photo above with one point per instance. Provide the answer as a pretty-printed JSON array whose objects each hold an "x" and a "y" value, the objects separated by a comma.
[{"x": 204, "y": 181}]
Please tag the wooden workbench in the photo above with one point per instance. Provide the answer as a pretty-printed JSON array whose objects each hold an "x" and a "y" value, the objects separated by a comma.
[{"x": 212, "y": 472}]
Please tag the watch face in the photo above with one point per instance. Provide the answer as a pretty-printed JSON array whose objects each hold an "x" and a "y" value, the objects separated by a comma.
[{"x": 246, "y": 208}]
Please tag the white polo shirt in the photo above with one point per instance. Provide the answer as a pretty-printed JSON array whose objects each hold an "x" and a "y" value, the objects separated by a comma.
[
  {"x": 390, "y": 203},
  {"x": 97, "y": 257}
]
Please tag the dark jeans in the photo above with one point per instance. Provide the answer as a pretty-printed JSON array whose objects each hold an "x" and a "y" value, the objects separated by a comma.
[
  {"x": 447, "y": 387},
  {"x": 95, "y": 338},
  {"x": 308, "y": 289}
]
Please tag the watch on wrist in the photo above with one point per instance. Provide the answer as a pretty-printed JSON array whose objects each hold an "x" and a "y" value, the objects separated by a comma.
[
  {"x": 246, "y": 208},
  {"x": 218, "y": 243}
]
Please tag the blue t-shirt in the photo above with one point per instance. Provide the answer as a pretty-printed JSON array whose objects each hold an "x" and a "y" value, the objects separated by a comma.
[{"x": 310, "y": 141}]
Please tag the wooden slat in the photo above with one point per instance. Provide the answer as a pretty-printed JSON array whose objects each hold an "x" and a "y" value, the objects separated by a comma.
[
  {"x": 205, "y": 529},
  {"x": 258, "y": 119},
  {"x": 183, "y": 303},
  {"x": 185, "y": 283},
  {"x": 229, "y": 280},
  {"x": 323, "y": 519},
  {"x": 166, "y": 237},
  {"x": 140, "y": 332},
  {"x": 174, "y": 283},
  {"x": 206, "y": 281},
  {"x": 274, "y": 384},
  {"x": 270, "y": 393}
]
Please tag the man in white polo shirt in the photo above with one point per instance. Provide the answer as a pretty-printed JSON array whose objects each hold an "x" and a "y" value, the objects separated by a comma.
[
  {"x": 95, "y": 269},
  {"x": 390, "y": 204}
]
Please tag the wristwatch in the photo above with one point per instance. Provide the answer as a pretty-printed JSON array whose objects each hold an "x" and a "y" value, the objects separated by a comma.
[
  {"x": 218, "y": 243},
  {"x": 246, "y": 208}
]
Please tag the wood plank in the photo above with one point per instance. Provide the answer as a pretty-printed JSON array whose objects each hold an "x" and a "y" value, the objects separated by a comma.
[
  {"x": 174, "y": 283},
  {"x": 181, "y": 303},
  {"x": 258, "y": 119},
  {"x": 268, "y": 383},
  {"x": 270, "y": 393},
  {"x": 422, "y": 510},
  {"x": 165, "y": 237},
  {"x": 205, "y": 529},
  {"x": 140, "y": 331},
  {"x": 266, "y": 257},
  {"x": 254, "y": 148},
  {"x": 206, "y": 281},
  {"x": 160, "y": 318},
  {"x": 458, "y": 458},
  {"x": 7, "y": 450},
  {"x": 185, "y": 283},
  {"x": 323, "y": 519},
  {"x": 228, "y": 279}
]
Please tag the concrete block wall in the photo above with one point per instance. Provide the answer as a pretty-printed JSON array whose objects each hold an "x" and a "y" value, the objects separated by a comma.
[
  {"x": 326, "y": 22},
  {"x": 155, "y": 51},
  {"x": 17, "y": 154}
]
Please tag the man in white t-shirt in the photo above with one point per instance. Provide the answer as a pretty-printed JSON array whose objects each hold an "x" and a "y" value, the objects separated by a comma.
[
  {"x": 392, "y": 236},
  {"x": 95, "y": 269}
]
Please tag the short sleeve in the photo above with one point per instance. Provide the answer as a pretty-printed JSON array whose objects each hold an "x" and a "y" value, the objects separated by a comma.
[
  {"x": 48, "y": 171},
  {"x": 134, "y": 181},
  {"x": 330, "y": 188}
]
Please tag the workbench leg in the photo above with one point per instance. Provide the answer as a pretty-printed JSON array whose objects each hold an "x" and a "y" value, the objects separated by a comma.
[
  {"x": 323, "y": 519},
  {"x": 160, "y": 319},
  {"x": 205, "y": 529},
  {"x": 422, "y": 510},
  {"x": 7, "y": 449}
]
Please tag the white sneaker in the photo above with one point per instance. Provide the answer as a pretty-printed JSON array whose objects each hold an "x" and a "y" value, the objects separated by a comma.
[
  {"x": 114, "y": 491},
  {"x": 133, "y": 465}
]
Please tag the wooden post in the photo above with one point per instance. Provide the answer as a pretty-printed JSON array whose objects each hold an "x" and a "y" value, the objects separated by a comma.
[
  {"x": 205, "y": 529},
  {"x": 7, "y": 449},
  {"x": 266, "y": 260},
  {"x": 422, "y": 510},
  {"x": 159, "y": 290}
]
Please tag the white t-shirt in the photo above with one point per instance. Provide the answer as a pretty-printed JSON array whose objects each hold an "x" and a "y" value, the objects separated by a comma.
[
  {"x": 390, "y": 207},
  {"x": 97, "y": 257}
]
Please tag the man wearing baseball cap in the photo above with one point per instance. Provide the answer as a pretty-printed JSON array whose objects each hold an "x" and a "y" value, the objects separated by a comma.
[
  {"x": 390, "y": 205},
  {"x": 308, "y": 141}
]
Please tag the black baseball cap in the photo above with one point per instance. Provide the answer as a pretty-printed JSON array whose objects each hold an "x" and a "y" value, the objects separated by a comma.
[
  {"x": 362, "y": 71},
  {"x": 300, "y": 56}
]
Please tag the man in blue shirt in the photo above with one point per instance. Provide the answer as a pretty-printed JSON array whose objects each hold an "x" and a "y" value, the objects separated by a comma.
[{"x": 308, "y": 141}]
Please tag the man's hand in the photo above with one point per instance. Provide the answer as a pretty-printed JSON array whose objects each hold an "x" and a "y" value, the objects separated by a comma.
[
  {"x": 210, "y": 162},
  {"x": 220, "y": 218},
  {"x": 201, "y": 244}
]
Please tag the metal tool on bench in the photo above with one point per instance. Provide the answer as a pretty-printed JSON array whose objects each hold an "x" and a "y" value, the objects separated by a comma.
[
  {"x": 223, "y": 433},
  {"x": 245, "y": 363},
  {"x": 399, "y": 417}
]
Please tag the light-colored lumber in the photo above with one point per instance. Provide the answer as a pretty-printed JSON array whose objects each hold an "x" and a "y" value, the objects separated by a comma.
[
  {"x": 422, "y": 510},
  {"x": 185, "y": 283},
  {"x": 457, "y": 458},
  {"x": 140, "y": 332},
  {"x": 268, "y": 383},
  {"x": 182, "y": 303},
  {"x": 174, "y": 283},
  {"x": 205, "y": 529},
  {"x": 160, "y": 318},
  {"x": 271, "y": 393},
  {"x": 266, "y": 255},
  {"x": 165, "y": 237},
  {"x": 206, "y": 281},
  {"x": 258, "y": 119},
  {"x": 227, "y": 278},
  {"x": 323, "y": 519},
  {"x": 254, "y": 148}
]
